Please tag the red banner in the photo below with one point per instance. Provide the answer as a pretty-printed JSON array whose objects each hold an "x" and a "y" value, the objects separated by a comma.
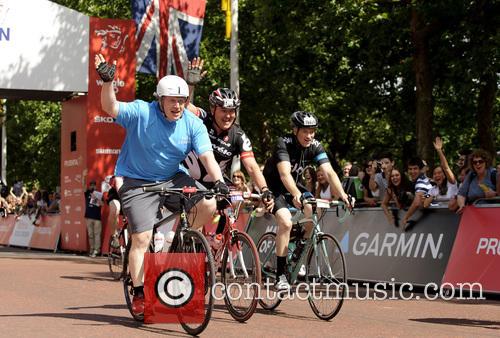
[
  {"x": 475, "y": 257},
  {"x": 174, "y": 288},
  {"x": 46, "y": 233},
  {"x": 6, "y": 227},
  {"x": 90, "y": 140}
]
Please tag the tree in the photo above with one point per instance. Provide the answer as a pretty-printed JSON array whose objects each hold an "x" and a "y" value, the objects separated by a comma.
[{"x": 33, "y": 142}]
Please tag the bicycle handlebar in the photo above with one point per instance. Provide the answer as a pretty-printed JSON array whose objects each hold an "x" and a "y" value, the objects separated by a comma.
[
  {"x": 322, "y": 203},
  {"x": 183, "y": 190}
]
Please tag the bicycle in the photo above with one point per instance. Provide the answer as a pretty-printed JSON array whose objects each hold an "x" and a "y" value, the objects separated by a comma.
[
  {"x": 117, "y": 248},
  {"x": 186, "y": 240},
  {"x": 322, "y": 256},
  {"x": 236, "y": 256}
]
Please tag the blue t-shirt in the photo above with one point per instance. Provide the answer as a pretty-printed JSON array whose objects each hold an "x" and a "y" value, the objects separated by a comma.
[
  {"x": 471, "y": 187},
  {"x": 154, "y": 147}
]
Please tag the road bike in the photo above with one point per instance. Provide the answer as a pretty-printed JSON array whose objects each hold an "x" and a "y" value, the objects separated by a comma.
[
  {"x": 236, "y": 256},
  {"x": 324, "y": 278},
  {"x": 186, "y": 240}
]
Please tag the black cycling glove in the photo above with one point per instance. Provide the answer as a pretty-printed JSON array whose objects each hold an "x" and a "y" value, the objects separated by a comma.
[
  {"x": 267, "y": 195},
  {"x": 221, "y": 188},
  {"x": 106, "y": 71}
]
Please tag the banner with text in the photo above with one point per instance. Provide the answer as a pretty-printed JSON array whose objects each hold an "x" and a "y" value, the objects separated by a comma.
[
  {"x": 378, "y": 251},
  {"x": 476, "y": 254}
]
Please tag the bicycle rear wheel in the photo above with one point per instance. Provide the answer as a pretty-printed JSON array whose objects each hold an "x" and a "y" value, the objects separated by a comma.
[
  {"x": 326, "y": 268},
  {"x": 195, "y": 242},
  {"x": 115, "y": 255},
  {"x": 269, "y": 299},
  {"x": 240, "y": 274},
  {"x": 128, "y": 287}
]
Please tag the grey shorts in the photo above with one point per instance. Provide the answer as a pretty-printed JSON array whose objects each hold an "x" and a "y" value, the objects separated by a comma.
[{"x": 142, "y": 209}]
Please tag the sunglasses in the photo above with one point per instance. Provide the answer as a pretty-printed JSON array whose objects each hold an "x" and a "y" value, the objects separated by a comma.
[
  {"x": 477, "y": 162},
  {"x": 237, "y": 176}
]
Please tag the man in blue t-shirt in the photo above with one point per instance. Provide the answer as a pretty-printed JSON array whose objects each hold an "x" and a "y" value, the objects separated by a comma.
[{"x": 160, "y": 134}]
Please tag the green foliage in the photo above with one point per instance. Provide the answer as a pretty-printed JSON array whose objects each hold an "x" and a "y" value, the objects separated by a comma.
[
  {"x": 350, "y": 62},
  {"x": 33, "y": 143}
]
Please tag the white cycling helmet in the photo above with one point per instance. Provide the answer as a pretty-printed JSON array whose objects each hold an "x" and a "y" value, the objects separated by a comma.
[{"x": 172, "y": 85}]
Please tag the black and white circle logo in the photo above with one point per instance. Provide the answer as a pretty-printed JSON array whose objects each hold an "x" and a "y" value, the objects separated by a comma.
[{"x": 174, "y": 287}]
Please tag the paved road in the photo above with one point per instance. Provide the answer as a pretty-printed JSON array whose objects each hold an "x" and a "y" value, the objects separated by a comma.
[{"x": 60, "y": 295}]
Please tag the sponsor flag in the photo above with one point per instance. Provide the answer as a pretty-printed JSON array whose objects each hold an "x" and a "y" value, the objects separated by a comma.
[
  {"x": 168, "y": 34},
  {"x": 174, "y": 287}
]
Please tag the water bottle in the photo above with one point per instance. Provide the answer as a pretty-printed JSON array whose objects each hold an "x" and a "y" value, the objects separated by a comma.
[
  {"x": 159, "y": 240},
  {"x": 169, "y": 237}
]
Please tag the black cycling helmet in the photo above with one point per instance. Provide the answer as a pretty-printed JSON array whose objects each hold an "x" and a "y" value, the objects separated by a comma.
[
  {"x": 225, "y": 98},
  {"x": 304, "y": 119}
]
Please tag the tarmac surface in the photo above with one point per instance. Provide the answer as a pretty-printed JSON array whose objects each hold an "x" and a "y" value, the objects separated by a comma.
[{"x": 44, "y": 294}]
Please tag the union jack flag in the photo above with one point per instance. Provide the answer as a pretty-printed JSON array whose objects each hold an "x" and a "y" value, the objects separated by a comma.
[{"x": 168, "y": 34}]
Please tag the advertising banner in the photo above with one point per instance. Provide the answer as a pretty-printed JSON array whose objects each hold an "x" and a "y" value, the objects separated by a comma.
[
  {"x": 114, "y": 39},
  {"x": 46, "y": 233},
  {"x": 475, "y": 259},
  {"x": 44, "y": 47},
  {"x": 73, "y": 164},
  {"x": 6, "y": 227},
  {"x": 378, "y": 251},
  {"x": 23, "y": 230}
]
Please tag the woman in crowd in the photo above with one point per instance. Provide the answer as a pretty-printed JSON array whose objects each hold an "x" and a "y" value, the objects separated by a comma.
[
  {"x": 398, "y": 191},
  {"x": 323, "y": 188},
  {"x": 310, "y": 179},
  {"x": 480, "y": 182},
  {"x": 239, "y": 181},
  {"x": 370, "y": 169},
  {"x": 446, "y": 184}
]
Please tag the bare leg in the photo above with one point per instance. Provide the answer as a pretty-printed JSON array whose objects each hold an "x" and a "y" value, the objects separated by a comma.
[
  {"x": 202, "y": 213},
  {"x": 283, "y": 218},
  {"x": 140, "y": 243}
]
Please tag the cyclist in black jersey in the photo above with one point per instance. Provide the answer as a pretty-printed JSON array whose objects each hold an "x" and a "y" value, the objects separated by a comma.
[
  {"x": 227, "y": 137},
  {"x": 294, "y": 152}
]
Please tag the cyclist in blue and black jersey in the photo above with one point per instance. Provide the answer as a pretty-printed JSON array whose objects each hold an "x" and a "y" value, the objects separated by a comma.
[{"x": 294, "y": 152}]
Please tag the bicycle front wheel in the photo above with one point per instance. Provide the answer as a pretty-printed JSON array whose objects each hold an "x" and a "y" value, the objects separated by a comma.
[
  {"x": 269, "y": 299},
  {"x": 195, "y": 242},
  {"x": 326, "y": 269},
  {"x": 115, "y": 256},
  {"x": 241, "y": 276}
]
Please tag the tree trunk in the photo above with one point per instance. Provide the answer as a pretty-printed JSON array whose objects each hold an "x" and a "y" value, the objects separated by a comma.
[
  {"x": 424, "y": 83},
  {"x": 485, "y": 105}
]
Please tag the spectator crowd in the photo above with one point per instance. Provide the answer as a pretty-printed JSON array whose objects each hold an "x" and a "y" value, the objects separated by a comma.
[
  {"x": 380, "y": 183},
  {"x": 35, "y": 202}
]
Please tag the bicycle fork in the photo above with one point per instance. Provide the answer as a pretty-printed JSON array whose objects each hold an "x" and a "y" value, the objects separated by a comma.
[{"x": 239, "y": 253}]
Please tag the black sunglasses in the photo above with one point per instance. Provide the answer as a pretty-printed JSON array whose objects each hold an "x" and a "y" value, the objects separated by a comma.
[{"x": 477, "y": 162}]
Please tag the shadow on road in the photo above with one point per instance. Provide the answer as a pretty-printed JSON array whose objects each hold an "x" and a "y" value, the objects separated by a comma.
[
  {"x": 277, "y": 313},
  {"x": 93, "y": 277},
  {"x": 105, "y": 319},
  {"x": 486, "y": 324}
]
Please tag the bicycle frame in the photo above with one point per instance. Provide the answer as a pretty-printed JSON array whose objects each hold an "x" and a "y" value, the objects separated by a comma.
[
  {"x": 228, "y": 235},
  {"x": 299, "y": 218}
]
